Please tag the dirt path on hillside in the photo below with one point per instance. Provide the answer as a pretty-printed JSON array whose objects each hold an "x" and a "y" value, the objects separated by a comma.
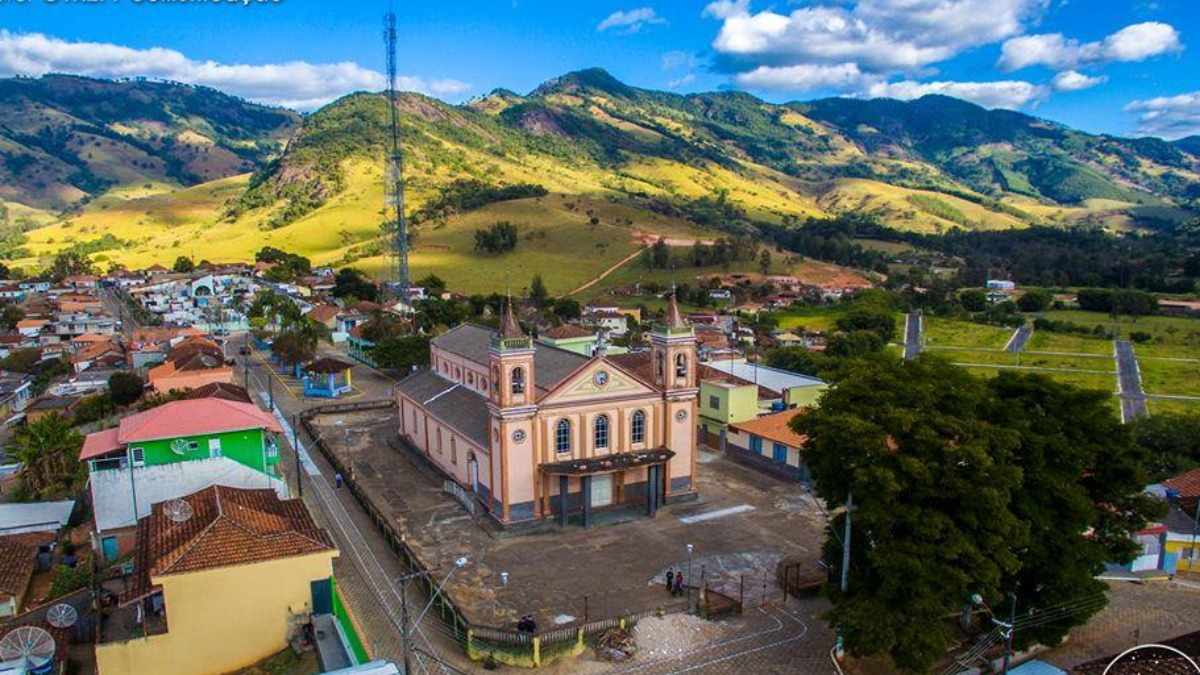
[{"x": 623, "y": 262}]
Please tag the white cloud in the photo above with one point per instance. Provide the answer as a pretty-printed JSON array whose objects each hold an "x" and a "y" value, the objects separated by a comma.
[
  {"x": 294, "y": 84},
  {"x": 632, "y": 21},
  {"x": 804, "y": 77},
  {"x": 1168, "y": 116},
  {"x": 880, "y": 36},
  {"x": 1073, "y": 80},
  {"x": 681, "y": 82},
  {"x": 1132, "y": 43},
  {"x": 1010, "y": 94}
]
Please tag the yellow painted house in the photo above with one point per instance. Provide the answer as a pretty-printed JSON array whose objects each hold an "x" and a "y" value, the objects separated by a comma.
[{"x": 222, "y": 578}]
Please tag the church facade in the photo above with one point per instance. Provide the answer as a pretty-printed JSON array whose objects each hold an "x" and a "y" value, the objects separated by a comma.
[{"x": 529, "y": 431}]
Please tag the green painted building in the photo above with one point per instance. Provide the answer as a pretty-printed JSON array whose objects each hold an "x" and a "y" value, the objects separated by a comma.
[
  {"x": 174, "y": 450},
  {"x": 725, "y": 403}
]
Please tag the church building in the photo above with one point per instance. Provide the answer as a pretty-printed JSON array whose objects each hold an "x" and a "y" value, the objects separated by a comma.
[{"x": 529, "y": 431}]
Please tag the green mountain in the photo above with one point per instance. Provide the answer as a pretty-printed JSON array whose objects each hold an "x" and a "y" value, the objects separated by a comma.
[
  {"x": 1190, "y": 145},
  {"x": 591, "y": 168},
  {"x": 65, "y": 140}
]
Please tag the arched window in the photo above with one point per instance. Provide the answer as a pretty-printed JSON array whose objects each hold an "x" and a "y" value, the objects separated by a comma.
[
  {"x": 659, "y": 365},
  {"x": 495, "y": 379},
  {"x": 637, "y": 428},
  {"x": 518, "y": 381},
  {"x": 600, "y": 434},
  {"x": 562, "y": 437},
  {"x": 681, "y": 366}
]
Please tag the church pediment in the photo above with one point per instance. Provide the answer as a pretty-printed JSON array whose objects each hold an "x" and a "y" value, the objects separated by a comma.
[{"x": 598, "y": 380}]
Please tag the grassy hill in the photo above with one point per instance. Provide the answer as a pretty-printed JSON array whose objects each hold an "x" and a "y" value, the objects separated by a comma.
[
  {"x": 65, "y": 139},
  {"x": 636, "y": 161}
]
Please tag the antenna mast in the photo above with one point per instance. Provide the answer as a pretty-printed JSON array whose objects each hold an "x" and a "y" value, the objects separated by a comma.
[{"x": 394, "y": 180}]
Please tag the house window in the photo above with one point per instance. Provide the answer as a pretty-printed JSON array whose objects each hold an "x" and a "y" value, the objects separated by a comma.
[
  {"x": 272, "y": 447},
  {"x": 681, "y": 367},
  {"x": 779, "y": 452},
  {"x": 658, "y": 365},
  {"x": 471, "y": 379},
  {"x": 600, "y": 434},
  {"x": 518, "y": 381},
  {"x": 756, "y": 445},
  {"x": 714, "y": 402},
  {"x": 214, "y": 447},
  {"x": 439, "y": 441},
  {"x": 138, "y": 456},
  {"x": 453, "y": 451},
  {"x": 562, "y": 437},
  {"x": 637, "y": 428}
]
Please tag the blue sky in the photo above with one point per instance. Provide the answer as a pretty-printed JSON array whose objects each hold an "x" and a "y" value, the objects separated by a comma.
[{"x": 1116, "y": 66}]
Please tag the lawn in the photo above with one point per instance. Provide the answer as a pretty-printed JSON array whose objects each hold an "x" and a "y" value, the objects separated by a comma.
[
  {"x": 964, "y": 334},
  {"x": 1167, "y": 406},
  {"x": 1166, "y": 351},
  {"x": 821, "y": 319},
  {"x": 1170, "y": 377},
  {"x": 1165, "y": 330},
  {"x": 975, "y": 356},
  {"x": 1082, "y": 363},
  {"x": 1067, "y": 343},
  {"x": 1100, "y": 382}
]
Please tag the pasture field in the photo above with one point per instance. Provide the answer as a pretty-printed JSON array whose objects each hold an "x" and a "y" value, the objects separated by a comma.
[
  {"x": 1168, "y": 406},
  {"x": 1068, "y": 343},
  {"x": 966, "y": 334},
  {"x": 1181, "y": 378}
]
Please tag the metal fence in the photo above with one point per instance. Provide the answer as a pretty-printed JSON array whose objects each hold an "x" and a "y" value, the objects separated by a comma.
[{"x": 480, "y": 642}]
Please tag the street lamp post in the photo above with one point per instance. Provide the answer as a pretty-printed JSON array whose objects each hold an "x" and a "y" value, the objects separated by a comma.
[
  {"x": 1007, "y": 629},
  {"x": 689, "y": 576},
  {"x": 405, "y": 627}
]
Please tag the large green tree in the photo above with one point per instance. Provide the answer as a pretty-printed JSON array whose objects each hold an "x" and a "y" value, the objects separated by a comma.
[
  {"x": 963, "y": 486},
  {"x": 1172, "y": 443},
  {"x": 299, "y": 340}
]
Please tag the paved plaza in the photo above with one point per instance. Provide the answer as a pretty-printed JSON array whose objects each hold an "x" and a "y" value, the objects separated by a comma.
[{"x": 741, "y": 525}]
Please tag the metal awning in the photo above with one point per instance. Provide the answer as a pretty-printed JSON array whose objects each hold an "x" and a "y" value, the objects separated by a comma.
[{"x": 607, "y": 463}]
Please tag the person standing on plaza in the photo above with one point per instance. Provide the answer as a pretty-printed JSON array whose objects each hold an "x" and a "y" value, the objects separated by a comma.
[
  {"x": 678, "y": 582},
  {"x": 337, "y": 480},
  {"x": 670, "y": 578}
]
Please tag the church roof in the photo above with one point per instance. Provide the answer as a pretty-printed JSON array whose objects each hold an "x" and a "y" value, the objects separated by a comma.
[
  {"x": 550, "y": 364},
  {"x": 461, "y": 408},
  {"x": 509, "y": 326}
]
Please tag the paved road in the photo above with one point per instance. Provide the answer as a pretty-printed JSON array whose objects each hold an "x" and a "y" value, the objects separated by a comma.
[
  {"x": 914, "y": 324},
  {"x": 1133, "y": 399},
  {"x": 1019, "y": 339}
]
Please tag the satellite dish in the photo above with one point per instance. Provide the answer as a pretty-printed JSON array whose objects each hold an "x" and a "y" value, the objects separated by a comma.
[
  {"x": 179, "y": 447},
  {"x": 178, "y": 510},
  {"x": 62, "y": 615},
  {"x": 30, "y": 647}
]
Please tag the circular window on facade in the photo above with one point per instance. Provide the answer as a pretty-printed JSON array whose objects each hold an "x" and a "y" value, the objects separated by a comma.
[
  {"x": 681, "y": 416},
  {"x": 601, "y": 378},
  {"x": 518, "y": 436}
]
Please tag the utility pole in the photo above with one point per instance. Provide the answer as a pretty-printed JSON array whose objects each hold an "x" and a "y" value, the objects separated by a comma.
[
  {"x": 296, "y": 449},
  {"x": 846, "y": 544},
  {"x": 1012, "y": 628},
  {"x": 404, "y": 629}
]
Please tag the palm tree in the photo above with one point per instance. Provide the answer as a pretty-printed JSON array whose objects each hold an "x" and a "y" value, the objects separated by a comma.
[{"x": 49, "y": 450}]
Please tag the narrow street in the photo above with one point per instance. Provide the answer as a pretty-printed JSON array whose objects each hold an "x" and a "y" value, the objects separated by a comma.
[
  {"x": 367, "y": 571},
  {"x": 1019, "y": 339},
  {"x": 1133, "y": 399},
  {"x": 914, "y": 324}
]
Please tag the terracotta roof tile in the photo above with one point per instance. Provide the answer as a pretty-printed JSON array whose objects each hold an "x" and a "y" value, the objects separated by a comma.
[
  {"x": 567, "y": 331},
  {"x": 323, "y": 313},
  {"x": 227, "y": 526},
  {"x": 17, "y": 563},
  {"x": 774, "y": 427},
  {"x": 99, "y": 444},
  {"x": 1186, "y": 484},
  {"x": 225, "y": 390}
]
